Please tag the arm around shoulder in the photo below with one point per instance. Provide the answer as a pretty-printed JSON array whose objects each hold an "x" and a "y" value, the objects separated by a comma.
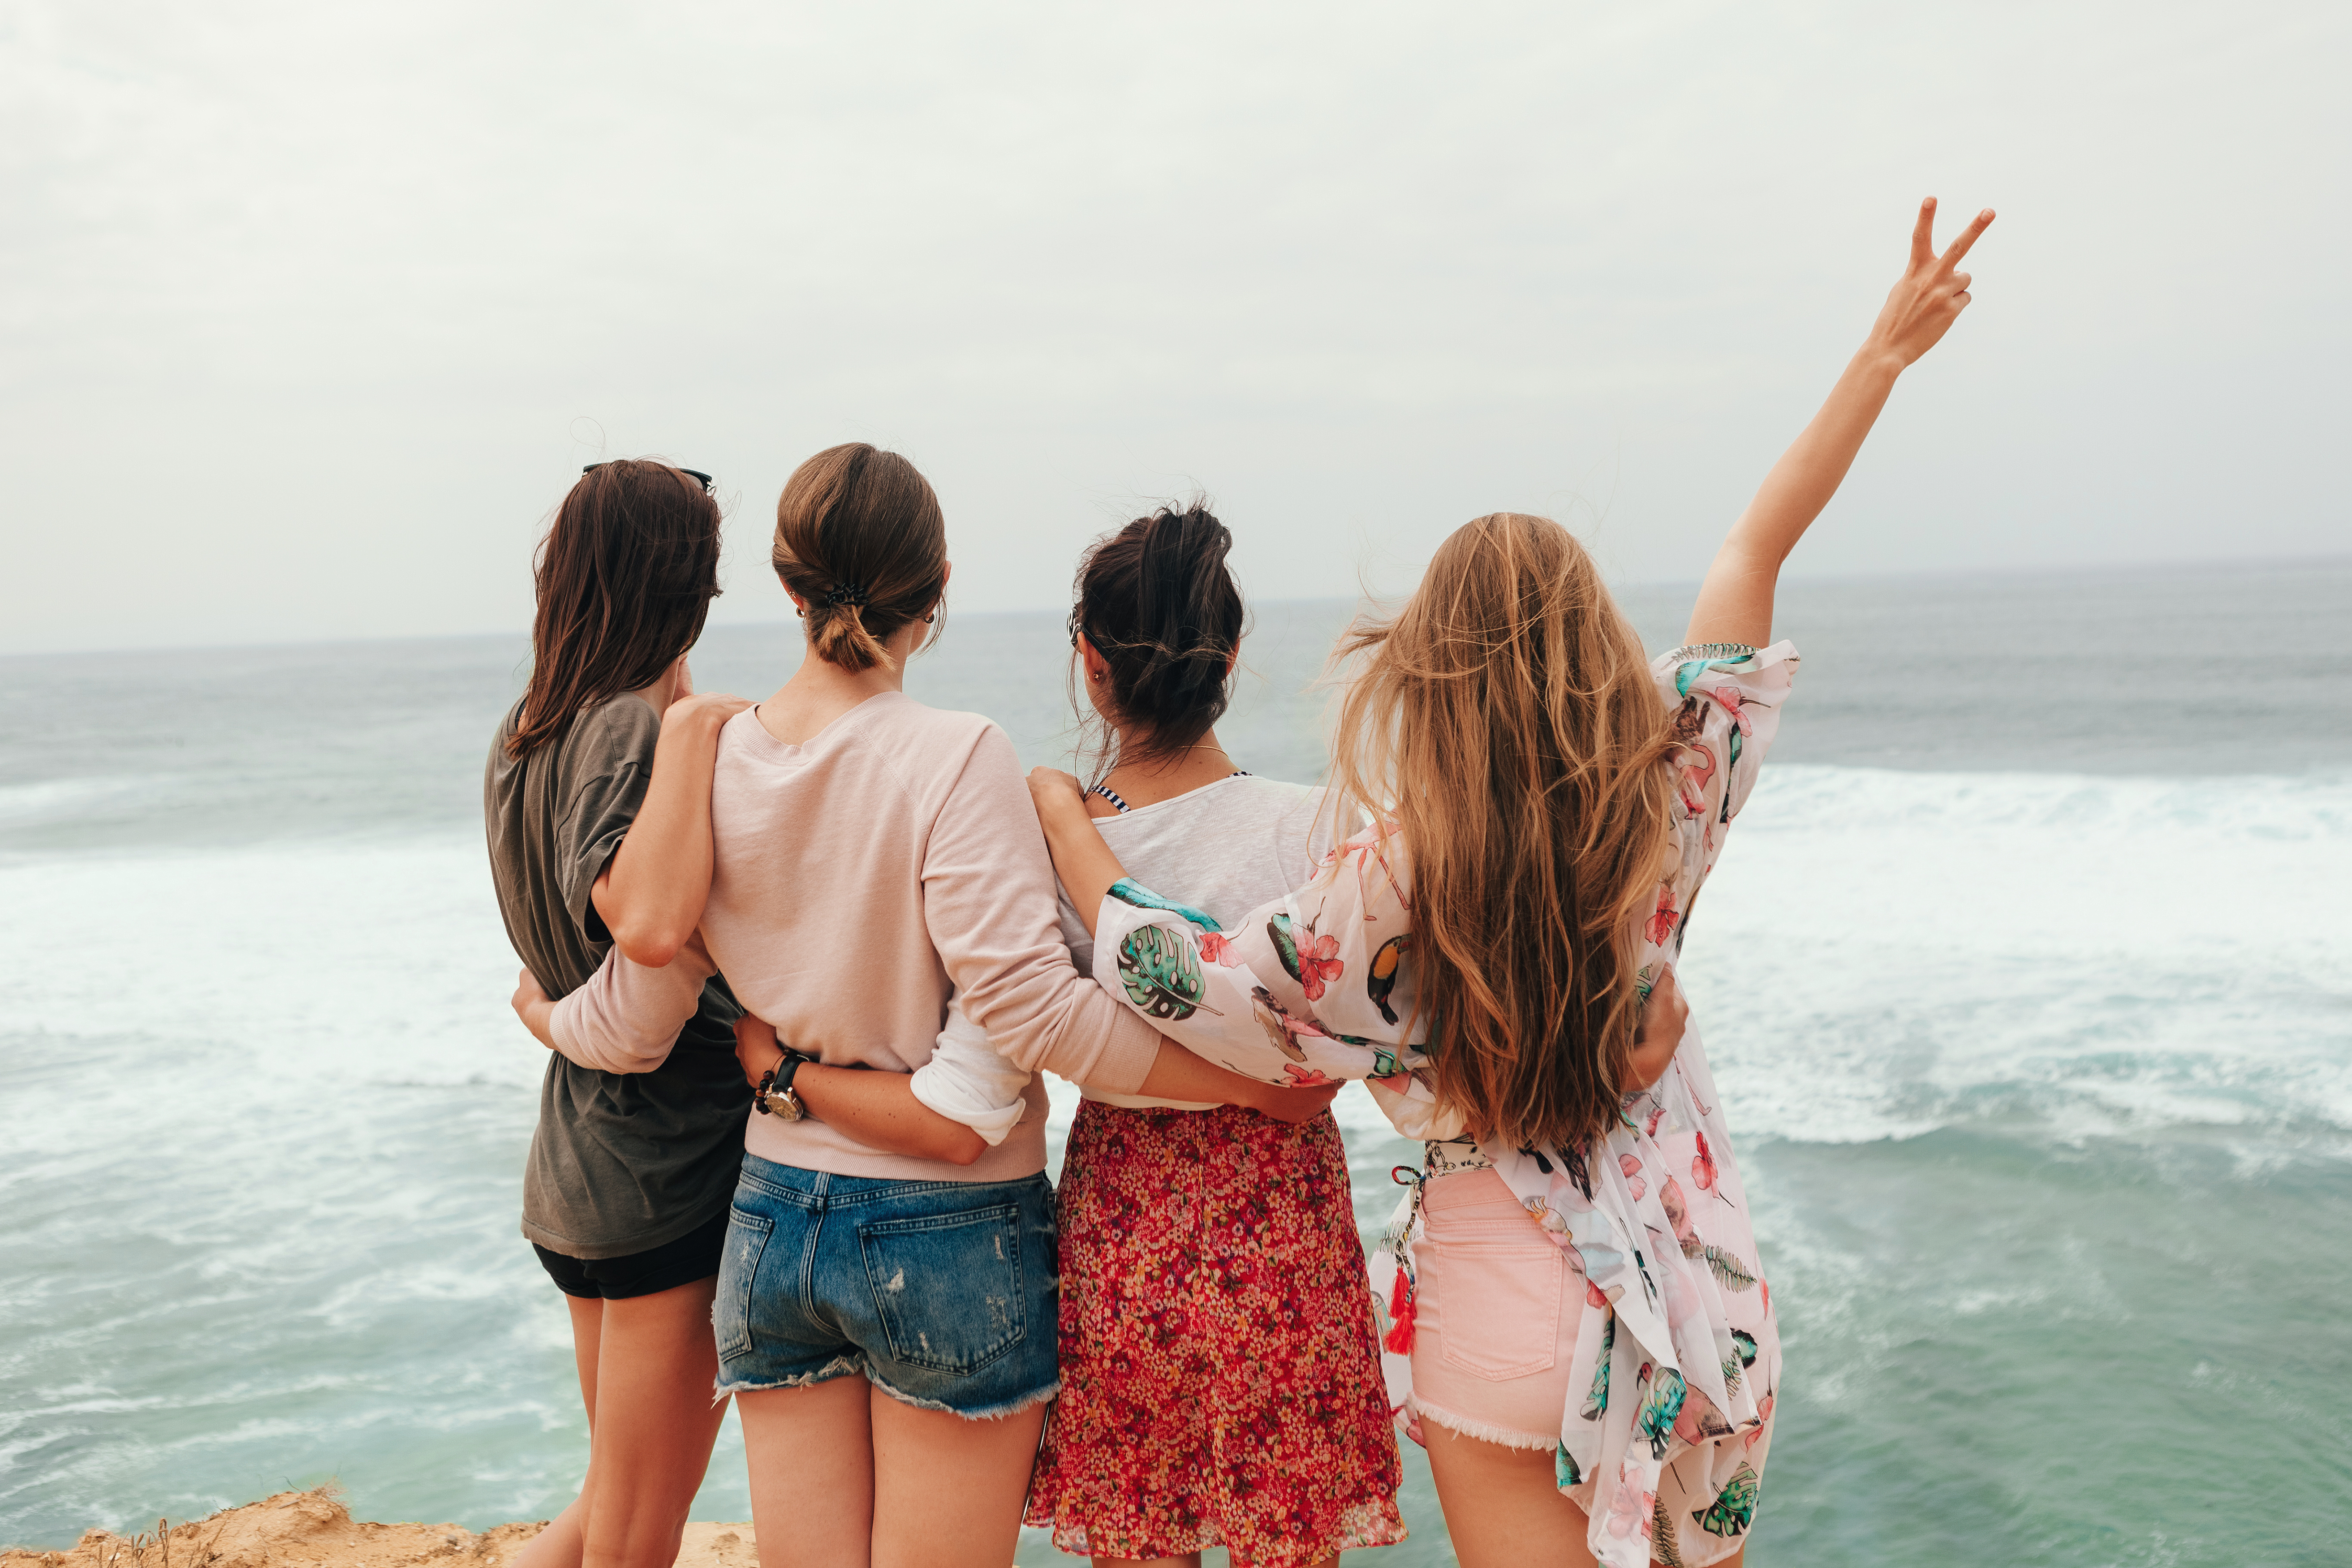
[
  {"x": 650, "y": 895},
  {"x": 627, "y": 1017},
  {"x": 990, "y": 903}
]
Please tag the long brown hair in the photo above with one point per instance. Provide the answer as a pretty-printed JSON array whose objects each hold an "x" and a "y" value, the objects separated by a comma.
[
  {"x": 1505, "y": 721},
  {"x": 859, "y": 537},
  {"x": 1157, "y": 602},
  {"x": 625, "y": 578}
]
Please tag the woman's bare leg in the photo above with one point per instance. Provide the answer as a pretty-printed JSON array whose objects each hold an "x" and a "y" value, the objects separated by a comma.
[
  {"x": 559, "y": 1545},
  {"x": 947, "y": 1491},
  {"x": 811, "y": 1453},
  {"x": 1502, "y": 1507},
  {"x": 655, "y": 1365}
]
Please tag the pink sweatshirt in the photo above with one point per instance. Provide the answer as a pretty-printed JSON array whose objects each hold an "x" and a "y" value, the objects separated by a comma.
[{"x": 857, "y": 879}]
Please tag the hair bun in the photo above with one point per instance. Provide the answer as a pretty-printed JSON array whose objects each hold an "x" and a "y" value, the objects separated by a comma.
[
  {"x": 858, "y": 530},
  {"x": 1157, "y": 602}
]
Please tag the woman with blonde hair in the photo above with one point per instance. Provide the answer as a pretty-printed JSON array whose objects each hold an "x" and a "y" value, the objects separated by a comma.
[{"x": 1581, "y": 1334}]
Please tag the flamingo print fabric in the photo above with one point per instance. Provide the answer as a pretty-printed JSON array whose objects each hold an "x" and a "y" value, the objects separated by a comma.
[{"x": 1678, "y": 1358}]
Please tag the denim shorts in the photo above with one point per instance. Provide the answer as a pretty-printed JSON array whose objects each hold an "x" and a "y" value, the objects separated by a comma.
[{"x": 942, "y": 1294}]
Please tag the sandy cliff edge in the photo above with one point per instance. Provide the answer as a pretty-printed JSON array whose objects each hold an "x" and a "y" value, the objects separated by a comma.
[{"x": 300, "y": 1529}]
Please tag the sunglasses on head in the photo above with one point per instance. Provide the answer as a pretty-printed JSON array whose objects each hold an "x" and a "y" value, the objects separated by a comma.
[{"x": 690, "y": 473}]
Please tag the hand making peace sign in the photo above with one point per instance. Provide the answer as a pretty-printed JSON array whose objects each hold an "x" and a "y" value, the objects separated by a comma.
[{"x": 1930, "y": 296}]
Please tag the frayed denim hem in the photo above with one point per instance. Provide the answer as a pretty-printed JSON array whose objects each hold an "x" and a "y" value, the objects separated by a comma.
[
  {"x": 992, "y": 1413},
  {"x": 839, "y": 1366},
  {"x": 1485, "y": 1432}
]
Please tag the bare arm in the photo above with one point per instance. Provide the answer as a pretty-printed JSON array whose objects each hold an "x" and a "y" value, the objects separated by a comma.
[
  {"x": 651, "y": 894},
  {"x": 1735, "y": 603},
  {"x": 1178, "y": 1074},
  {"x": 877, "y": 1109},
  {"x": 1087, "y": 866}
]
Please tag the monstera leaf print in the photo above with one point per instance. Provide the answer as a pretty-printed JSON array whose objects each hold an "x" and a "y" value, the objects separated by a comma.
[
  {"x": 1733, "y": 1507},
  {"x": 1160, "y": 974},
  {"x": 1744, "y": 1342},
  {"x": 1664, "y": 1402}
]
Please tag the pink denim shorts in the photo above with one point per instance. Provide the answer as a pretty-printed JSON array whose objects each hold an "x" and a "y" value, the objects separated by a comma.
[
  {"x": 1496, "y": 1315},
  {"x": 1497, "y": 1311}
]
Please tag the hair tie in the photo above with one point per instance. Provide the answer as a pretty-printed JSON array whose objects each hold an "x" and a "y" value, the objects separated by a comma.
[{"x": 848, "y": 591}]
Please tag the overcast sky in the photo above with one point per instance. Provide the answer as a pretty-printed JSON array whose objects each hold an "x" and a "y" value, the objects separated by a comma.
[{"x": 312, "y": 312}]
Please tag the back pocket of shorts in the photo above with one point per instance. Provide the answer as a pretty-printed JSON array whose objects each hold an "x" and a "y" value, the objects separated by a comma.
[
  {"x": 1500, "y": 1313},
  {"x": 739, "y": 1269},
  {"x": 948, "y": 1287}
]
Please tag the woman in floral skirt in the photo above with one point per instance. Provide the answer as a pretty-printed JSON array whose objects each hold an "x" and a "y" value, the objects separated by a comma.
[{"x": 1219, "y": 1382}]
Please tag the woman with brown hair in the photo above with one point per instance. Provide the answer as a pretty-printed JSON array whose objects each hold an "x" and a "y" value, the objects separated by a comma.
[
  {"x": 885, "y": 1312},
  {"x": 1581, "y": 1327},
  {"x": 625, "y": 1195}
]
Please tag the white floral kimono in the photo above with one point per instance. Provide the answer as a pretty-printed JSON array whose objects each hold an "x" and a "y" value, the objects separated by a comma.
[{"x": 1679, "y": 1364}]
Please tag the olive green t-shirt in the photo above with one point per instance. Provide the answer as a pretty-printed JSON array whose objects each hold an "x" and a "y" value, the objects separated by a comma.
[{"x": 621, "y": 1162}]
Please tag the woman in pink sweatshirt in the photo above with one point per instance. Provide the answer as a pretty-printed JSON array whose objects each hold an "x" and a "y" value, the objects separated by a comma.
[{"x": 885, "y": 1304}]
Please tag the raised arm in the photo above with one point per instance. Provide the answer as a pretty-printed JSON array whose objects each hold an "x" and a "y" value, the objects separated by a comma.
[
  {"x": 650, "y": 895},
  {"x": 1735, "y": 603}
]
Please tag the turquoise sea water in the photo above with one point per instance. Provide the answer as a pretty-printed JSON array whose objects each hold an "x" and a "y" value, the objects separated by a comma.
[{"x": 2023, "y": 976}]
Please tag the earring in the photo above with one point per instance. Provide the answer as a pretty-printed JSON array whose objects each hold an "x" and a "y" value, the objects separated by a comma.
[{"x": 927, "y": 619}]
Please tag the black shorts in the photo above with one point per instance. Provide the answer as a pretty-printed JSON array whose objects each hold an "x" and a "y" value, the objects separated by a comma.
[{"x": 693, "y": 1256}]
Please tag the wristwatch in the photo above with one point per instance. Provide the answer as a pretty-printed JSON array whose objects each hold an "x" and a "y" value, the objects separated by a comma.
[{"x": 774, "y": 1096}]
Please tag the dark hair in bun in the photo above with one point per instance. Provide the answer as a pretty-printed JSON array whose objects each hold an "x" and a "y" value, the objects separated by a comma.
[{"x": 1157, "y": 602}]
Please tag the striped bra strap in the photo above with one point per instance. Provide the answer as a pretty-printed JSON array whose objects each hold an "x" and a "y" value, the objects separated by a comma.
[{"x": 1122, "y": 807}]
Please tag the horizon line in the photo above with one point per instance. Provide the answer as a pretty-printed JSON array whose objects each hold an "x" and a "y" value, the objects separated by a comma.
[{"x": 2145, "y": 568}]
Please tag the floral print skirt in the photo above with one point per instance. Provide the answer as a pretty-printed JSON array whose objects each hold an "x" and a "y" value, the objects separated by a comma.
[{"x": 1221, "y": 1384}]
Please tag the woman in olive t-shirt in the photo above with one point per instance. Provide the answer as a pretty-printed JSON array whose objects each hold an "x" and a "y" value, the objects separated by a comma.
[{"x": 633, "y": 1162}]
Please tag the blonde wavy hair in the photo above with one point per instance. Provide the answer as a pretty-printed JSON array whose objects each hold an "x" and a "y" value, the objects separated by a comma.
[{"x": 1506, "y": 723}]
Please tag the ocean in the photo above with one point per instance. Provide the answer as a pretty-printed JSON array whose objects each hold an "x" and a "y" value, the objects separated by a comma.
[{"x": 2027, "y": 976}]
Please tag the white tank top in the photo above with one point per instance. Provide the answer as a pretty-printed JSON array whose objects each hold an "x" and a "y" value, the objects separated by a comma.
[{"x": 1225, "y": 848}]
